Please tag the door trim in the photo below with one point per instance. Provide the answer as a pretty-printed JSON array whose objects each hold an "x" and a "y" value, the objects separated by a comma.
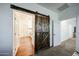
[{"x": 52, "y": 34}]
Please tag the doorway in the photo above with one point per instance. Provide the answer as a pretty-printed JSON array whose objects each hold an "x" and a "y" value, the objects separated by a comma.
[
  {"x": 31, "y": 31},
  {"x": 68, "y": 39},
  {"x": 23, "y": 33}
]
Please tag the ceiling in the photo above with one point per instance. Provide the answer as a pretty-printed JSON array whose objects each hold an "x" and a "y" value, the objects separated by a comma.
[{"x": 57, "y": 7}]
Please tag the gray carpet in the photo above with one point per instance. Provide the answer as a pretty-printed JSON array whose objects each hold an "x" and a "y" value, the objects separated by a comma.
[{"x": 67, "y": 48}]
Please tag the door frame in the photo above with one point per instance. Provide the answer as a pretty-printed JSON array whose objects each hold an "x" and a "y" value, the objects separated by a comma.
[{"x": 52, "y": 33}]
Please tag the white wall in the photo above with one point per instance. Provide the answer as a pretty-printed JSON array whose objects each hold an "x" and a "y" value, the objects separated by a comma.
[
  {"x": 67, "y": 28},
  {"x": 5, "y": 30},
  {"x": 6, "y": 41},
  {"x": 56, "y": 34},
  {"x": 77, "y": 33}
]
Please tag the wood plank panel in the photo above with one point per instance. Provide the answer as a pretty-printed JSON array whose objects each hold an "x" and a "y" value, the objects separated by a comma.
[{"x": 42, "y": 37}]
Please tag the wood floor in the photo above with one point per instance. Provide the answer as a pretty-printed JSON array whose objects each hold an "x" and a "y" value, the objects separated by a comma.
[
  {"x": 26, "y": 47},
  {"x": 67, "y": 48},
  {"x": 24, "y": 51}
]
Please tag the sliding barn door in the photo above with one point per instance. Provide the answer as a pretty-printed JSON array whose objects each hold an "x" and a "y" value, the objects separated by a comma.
[{"x": 42, "y": 39}]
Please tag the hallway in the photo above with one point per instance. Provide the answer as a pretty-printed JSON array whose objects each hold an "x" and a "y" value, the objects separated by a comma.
[{"x": 67, "y": 48}]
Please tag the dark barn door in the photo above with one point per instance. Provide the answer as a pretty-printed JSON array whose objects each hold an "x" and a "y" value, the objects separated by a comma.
[{"x": 42, "y": 37}]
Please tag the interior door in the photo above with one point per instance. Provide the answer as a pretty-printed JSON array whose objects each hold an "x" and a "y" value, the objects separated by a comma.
[
  {"x": 42, "y": 39},
  {"x": 23, "y": 33}
]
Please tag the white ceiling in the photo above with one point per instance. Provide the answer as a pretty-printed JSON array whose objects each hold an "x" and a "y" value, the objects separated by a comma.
[
  {"x": 51, "y": 6},
  {"x": 55, "y": 6}
]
